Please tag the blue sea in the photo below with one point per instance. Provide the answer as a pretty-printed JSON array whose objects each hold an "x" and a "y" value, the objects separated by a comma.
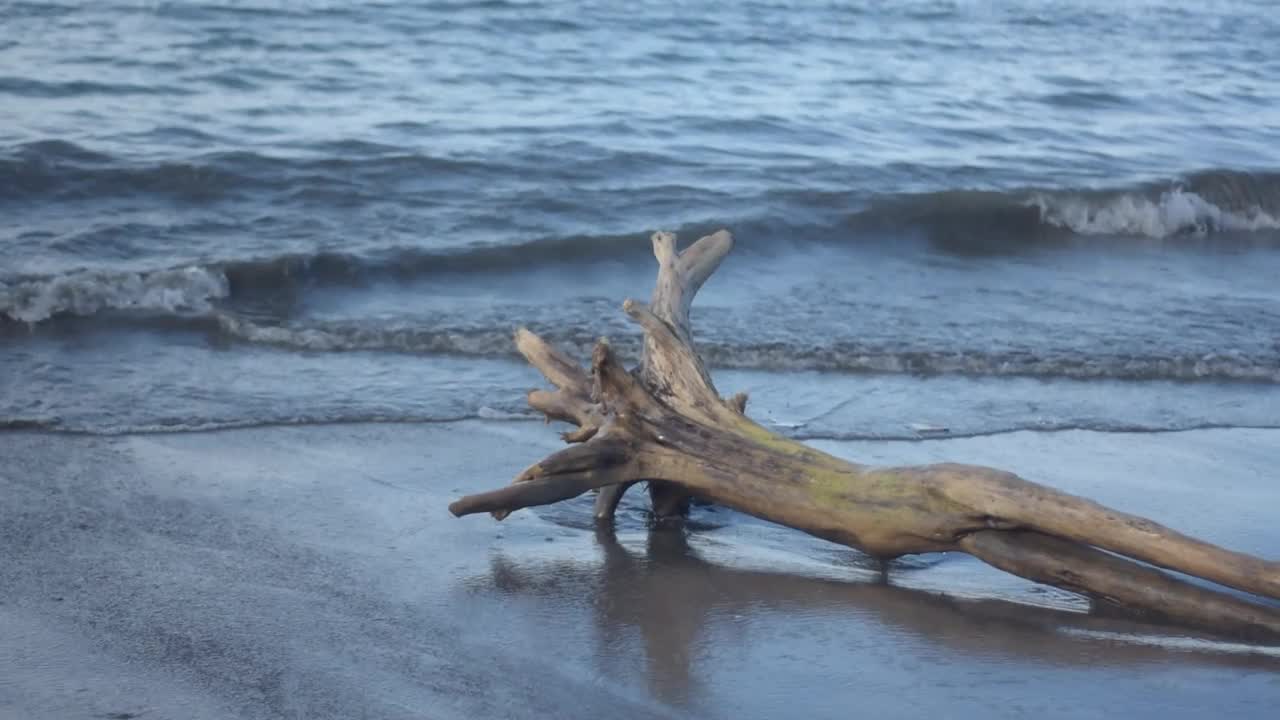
[{"x": 951, "y": 217}]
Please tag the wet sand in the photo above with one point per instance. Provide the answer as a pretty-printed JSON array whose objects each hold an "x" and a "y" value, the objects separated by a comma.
[{"x": 316, "y": 573}]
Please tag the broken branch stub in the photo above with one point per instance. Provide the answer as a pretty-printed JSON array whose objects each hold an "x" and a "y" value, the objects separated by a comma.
[{"x": 666, "y": 424}]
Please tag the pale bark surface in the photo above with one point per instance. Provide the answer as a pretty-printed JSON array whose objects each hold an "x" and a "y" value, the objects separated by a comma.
[{"x": 665, "y": 423}]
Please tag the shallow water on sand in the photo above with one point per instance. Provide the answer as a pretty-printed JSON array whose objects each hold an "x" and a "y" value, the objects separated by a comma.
[{"x": 315, "y": 572}]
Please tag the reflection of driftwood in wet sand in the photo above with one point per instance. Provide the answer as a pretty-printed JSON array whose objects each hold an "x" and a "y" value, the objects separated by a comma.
[
  {"x": 667, "y": 424},
  {"x": 671, "y": 596}
]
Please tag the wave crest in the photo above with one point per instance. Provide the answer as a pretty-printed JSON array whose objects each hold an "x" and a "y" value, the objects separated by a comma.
[
  {"x": 188, "y": 290},
  {"x": 1174, "y": 212},
  {"x": 1201, "y": 204},
  {"x": 353, "y": 173},
  {"x": 841, "y": 357}
]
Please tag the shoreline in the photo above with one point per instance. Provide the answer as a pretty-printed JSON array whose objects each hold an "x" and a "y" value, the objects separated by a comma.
[{"x": 923, "y": 435}]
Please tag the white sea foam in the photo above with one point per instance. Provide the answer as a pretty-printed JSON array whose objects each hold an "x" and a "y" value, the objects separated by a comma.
[
  {"x": 1174, "y": 212},
  {"x": 341, "y": 337},
  {"x": 181, "y": 290}
]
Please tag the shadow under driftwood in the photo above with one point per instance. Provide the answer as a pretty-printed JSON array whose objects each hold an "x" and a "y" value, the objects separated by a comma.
[{"x": 675, "y": 600}]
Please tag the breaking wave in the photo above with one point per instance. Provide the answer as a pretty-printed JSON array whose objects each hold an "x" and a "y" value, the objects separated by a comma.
[
  {"x": 1200, "y": 205},
  {"x": 197, "y": 288},
  {"x": 192, "y": 299},
  {"x": 1174, "y": 212},
  {"x": 178, "y": 291},
  {"x": 961, "y": 221}
]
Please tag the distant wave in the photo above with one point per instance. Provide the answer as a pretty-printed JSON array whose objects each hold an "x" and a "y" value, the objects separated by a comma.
[
  {"x": 351, "y": 173},
  {"x": 26, "y": 87},
  {"x": 60, "y": 170}
]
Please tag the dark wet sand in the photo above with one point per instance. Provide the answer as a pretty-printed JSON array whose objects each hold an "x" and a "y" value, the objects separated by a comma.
[{"x": 315, "y": 573}]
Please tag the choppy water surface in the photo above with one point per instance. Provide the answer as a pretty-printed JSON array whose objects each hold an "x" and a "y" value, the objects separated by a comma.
[{"x": 984, "y": 216}]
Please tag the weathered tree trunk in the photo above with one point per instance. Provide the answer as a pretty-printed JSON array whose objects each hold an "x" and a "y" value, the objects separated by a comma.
[{"x": 667, "y": 424}]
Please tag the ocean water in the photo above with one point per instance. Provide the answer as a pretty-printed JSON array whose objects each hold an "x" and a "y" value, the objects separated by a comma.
[{"x": 971, "y": 215}]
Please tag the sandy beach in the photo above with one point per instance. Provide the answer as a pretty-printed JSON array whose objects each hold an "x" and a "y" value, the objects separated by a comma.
[
  {"x": 261, "y": 264},
  {"x": 315, "y": 573}
]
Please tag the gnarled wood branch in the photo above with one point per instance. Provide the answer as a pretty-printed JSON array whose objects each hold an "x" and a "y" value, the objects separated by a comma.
[{"x": 667, "y": 424}]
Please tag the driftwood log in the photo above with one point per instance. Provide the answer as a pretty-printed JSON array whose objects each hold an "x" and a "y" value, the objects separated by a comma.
[{"x": 665, "y": 423}]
